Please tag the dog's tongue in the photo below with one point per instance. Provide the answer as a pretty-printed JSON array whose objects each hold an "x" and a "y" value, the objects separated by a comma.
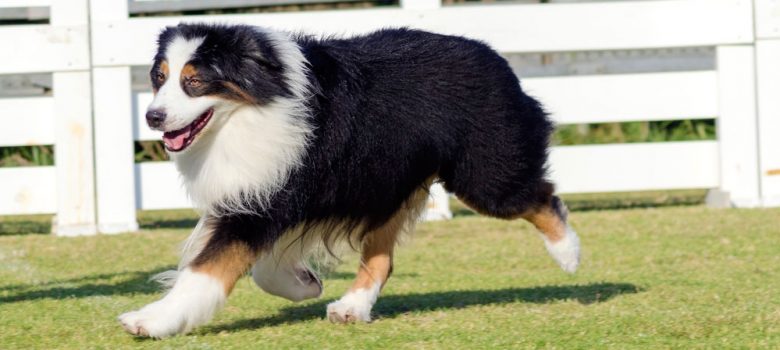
[{"x": 175, "y": 140}]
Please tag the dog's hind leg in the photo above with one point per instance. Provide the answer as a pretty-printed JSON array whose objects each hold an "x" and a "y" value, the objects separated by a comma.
[
  {"x": 560, "y": 239},
  {"x": 543, "y": 209}
]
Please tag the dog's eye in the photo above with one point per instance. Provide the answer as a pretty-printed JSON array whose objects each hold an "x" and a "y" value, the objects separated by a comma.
[
  {"x": 193, "y": 82},
  {"x": 160, "y": 77}
]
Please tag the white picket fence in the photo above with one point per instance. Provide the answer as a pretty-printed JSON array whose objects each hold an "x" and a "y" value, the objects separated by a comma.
[{"x": 94, "y": 116}]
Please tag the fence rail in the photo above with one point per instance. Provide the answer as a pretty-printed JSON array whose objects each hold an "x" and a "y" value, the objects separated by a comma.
[
  {"x": 627, "y": 97},
  {"x": 508, "y": 28},
  {"x": 25, "y": 3},
  {"x": 93, "y": 115},
  {"x": 147, "y": 6}
]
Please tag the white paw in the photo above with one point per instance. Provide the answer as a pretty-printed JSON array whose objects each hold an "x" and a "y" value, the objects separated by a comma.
[
  {"x": 345, "y": 312},
  {"x": 354, "y": 306},
  {"x": 152, "y": 321},
  {"x": 566, "y": 252},
  {"x": 192, "y": 301}
]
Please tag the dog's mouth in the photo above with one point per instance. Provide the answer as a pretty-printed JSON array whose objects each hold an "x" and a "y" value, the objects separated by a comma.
[{"x": 178, "y": 140}]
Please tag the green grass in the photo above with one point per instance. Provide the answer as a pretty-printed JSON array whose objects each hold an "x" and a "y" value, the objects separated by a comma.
[{"x": 675, "y": 277}]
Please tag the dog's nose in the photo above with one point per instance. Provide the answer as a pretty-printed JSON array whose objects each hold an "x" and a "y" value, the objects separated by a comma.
[{"x": 155, "y": 118}]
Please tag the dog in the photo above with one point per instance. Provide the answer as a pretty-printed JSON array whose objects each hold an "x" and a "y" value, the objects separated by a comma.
[{"x": 288, "y": 143}]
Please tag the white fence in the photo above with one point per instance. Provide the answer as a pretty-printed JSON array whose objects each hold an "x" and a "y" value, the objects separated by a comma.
[
  {"x": 64, "y": 119},
  {"x": 102, "y": 121}
]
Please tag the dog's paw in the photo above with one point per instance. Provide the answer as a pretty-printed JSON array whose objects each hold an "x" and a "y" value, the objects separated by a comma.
[
  {"x": 132, "y": 323},
  {"x": 150, "y": 322},
  {"x": 193, "y": 300},
  {"x": 349, "y": 312},
  {"x": 355, "y": 306}
]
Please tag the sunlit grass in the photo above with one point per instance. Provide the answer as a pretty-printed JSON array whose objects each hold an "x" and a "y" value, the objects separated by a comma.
[{"x": 680, "y": 277}]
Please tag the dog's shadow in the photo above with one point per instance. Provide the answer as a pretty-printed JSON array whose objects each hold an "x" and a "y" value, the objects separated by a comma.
[
  {"x": 391, "y": 306},
  {"x": 129, "y": 283}
]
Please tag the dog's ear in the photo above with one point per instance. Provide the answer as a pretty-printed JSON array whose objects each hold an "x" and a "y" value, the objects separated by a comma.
[
  {"x": 163, "y": 39},
  {"x": 260, "y": 48},
  {"x": 265, "y": 60},
  {"x": 166, "y": 35}
]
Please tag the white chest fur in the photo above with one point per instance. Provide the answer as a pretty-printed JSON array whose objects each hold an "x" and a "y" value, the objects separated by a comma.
[{"x": 246, "y": 156}]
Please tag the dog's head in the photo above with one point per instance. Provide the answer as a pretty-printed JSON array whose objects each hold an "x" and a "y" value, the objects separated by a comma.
[{"x": 203, "y": 72}]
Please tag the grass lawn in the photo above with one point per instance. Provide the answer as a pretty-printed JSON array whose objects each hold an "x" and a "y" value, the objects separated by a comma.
[{"x": 675, "y": 277}]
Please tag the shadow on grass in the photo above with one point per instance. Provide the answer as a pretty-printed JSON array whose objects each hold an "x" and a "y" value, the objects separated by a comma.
[
  {"x": 177, "y": 218},
  {"x": 168, "y": 223},
  {"x": 351, "y": 275},
  {"x": 123, "y": 283},
  {"x": 25, "y": 226},
  {"x": 393, "y": 305}
]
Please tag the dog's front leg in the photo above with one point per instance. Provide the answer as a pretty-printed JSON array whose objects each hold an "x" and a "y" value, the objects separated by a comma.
[{"x": 201, "y": 286}]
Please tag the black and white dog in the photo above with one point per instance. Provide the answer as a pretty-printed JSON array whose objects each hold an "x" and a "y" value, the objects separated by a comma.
[{"x": 288, "y": 142}]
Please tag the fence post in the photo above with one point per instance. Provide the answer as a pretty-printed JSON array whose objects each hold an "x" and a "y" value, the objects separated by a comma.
[
  {"x": 737, "y": 125},
  {"x": 767, "y": 14},
  {"x": 114, "y": 160},
  {"x": 73, "y": 155}
]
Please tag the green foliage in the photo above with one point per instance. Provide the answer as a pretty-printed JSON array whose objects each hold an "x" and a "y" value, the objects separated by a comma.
[
  {"x": 150, "y": 151},
  {"x": 26, "y": 156},
  {"x": 680, "y": 278},
  {"x": 659, "y": 131}
]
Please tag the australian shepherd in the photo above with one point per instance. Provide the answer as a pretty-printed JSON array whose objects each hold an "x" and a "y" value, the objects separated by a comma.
[{"x": 289, "y": 142}]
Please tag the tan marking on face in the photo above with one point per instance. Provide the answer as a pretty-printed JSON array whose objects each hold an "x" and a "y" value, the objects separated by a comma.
[
  {"x": 165, "y": 71},
  {"x": 376, "y": 263},
  {"x": 238, "y": 93},
  {"x": 164, "y": 68},
  {"x": 229, "y": 265},
  {"x": 188, "y": 71}
]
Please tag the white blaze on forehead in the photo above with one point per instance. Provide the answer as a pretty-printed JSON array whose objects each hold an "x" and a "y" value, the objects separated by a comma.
[
  {"x": 181, "y": 109},
  {"x": 178, "y": 53}
]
